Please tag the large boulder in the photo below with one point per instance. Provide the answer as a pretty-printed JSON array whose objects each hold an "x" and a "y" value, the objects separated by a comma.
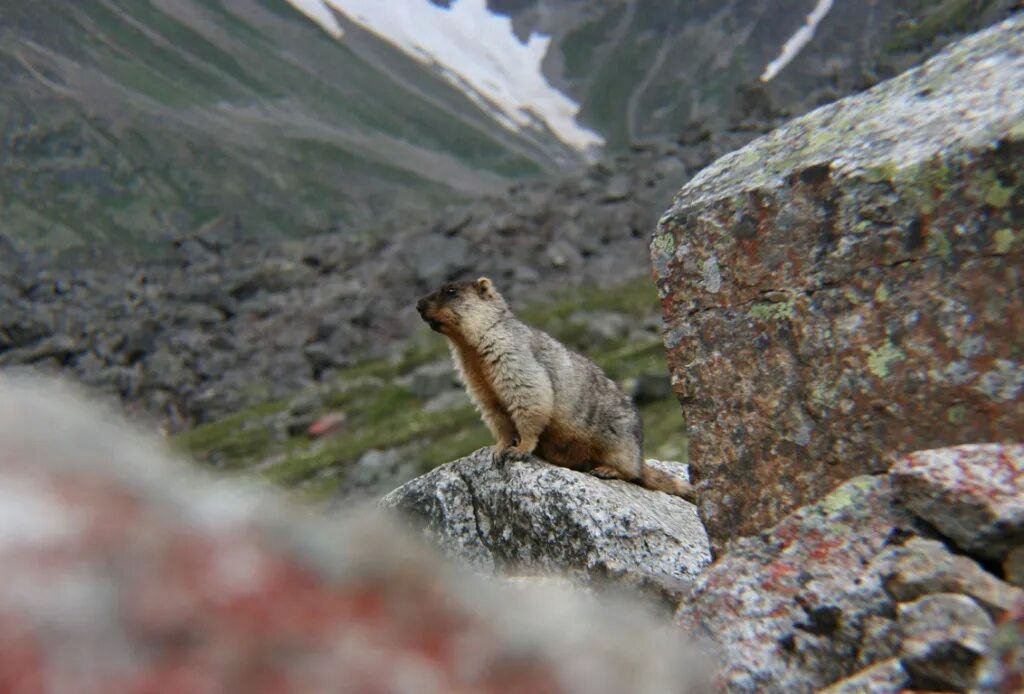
[
  {"x": 533, "y": 517},
  {"x": 125, "y": 571},
  {"x": 849, "y": 286}
]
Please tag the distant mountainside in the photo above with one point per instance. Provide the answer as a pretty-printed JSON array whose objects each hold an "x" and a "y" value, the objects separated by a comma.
[
  {"x": 130, "y": 120},
  {"x": 646, "y": 70},
  {"x": 134, "y": 121}
]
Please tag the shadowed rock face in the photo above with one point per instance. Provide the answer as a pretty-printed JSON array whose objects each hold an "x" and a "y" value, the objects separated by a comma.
[
  {"x": 849, "y": 286},
  {"x": 125, "y": 571},
  {"x": 534, "y": 517}
]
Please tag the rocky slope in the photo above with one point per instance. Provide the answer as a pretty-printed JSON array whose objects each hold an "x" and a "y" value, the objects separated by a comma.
[{"x": 222, "y": 321}]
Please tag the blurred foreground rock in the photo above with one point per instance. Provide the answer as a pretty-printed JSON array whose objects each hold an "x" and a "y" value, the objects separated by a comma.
[
  {"x": 124, "y": 570},
  {"x": 849, "y": 286},
  {"x": 536, "y": 518}
]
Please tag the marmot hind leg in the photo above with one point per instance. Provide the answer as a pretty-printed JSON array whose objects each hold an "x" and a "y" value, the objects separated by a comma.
[
  {"x": 607, "y": 472},
  {"x": 624, "y": 462}
]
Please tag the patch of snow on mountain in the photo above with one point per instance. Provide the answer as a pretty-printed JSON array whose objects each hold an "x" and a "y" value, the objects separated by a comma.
[
  {"x": 321, "y": 14},
  {"x": 474, "y": 49}
]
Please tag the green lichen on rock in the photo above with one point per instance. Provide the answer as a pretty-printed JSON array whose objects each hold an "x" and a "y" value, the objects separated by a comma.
[
  {"x": 767, "y": 310},
  {"x": 999, "y": 195},
  {"x": 956, "y": 414},
  {"x": 664, "y": 243},
  {"x": 847, "y": 495},
  {"x": 1004, "y": 239},
  {"x": 884, "y": 356},
  {"x": 824, "y": 395}
]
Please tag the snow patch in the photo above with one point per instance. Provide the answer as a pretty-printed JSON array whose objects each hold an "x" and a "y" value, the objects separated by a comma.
[
  {"x": 798, "y": 40},
  {"x": 473, "y": 49}
]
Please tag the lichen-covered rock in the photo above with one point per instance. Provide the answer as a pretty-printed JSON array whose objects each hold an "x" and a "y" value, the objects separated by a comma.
[
  {"x": 972, "y": 494},
  {"x": 124, "y": 571},
  {"x": 839, "y": 587},
  {"x": 800, "y": 607},
  {"x": 849, "y": 286},
  {"x": 538, "y": 518}
]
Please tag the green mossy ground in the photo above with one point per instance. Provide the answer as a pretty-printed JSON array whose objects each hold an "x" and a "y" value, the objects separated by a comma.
[{"x": 381, "y": 413}]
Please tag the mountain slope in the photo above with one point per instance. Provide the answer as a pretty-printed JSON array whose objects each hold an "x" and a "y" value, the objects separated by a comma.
[
  {"x": 129, "y": 120},
  {"x": 645, "y": 70}
]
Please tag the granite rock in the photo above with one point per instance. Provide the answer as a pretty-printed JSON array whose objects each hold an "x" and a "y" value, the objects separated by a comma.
[
  {"x": 534, "y": 517},
  {"x": 973, "y": 494},
  {"x": 796, "y": 608}
]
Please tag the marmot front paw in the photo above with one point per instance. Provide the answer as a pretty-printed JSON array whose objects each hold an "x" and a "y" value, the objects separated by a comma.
[{"x": 510, "y": 454}]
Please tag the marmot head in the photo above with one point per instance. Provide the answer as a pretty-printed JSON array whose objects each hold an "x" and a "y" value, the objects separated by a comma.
[{"x": 462, "y": 307}]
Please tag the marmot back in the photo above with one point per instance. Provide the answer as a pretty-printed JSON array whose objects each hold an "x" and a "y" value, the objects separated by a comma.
[{"x": 538, "y": 396}]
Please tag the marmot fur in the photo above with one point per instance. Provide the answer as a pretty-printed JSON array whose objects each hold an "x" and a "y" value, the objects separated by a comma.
[{"x": 536, "y": 395}]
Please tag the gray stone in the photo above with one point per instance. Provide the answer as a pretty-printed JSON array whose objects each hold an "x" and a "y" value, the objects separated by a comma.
[
  {"x": 448, "y": 400},
  {"x": 847, "y": 287},
  {"x": 433, "y": 379},
  {"x": 923, "y": 567},
  {"x": 1013, "y": 566},
  {"x": 944, "y": 638},
  {"x": 438, "y": 258},
  {"x": 597, "y": 327},
  {"x": 618, "y": 188},
  {"x": 973, "y": 494},
  {"x": 375, "y": 474},
  {"x": 562, "y": 255},
  {"x": 885, "y": 677},
  {"x": 650, "y": 388},
  {"x": 536, "y": 517},
  {"x": 1002, "y": 670}
]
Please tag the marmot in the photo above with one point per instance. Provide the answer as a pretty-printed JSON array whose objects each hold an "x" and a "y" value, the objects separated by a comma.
[{"x": 536, "y": 395}]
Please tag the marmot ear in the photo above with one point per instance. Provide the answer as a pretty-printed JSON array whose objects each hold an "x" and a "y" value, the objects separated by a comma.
[{"x": 483, "y": 285}]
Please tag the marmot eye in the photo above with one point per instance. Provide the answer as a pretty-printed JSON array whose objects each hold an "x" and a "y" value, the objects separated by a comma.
[{"x": 451, "y": 291}]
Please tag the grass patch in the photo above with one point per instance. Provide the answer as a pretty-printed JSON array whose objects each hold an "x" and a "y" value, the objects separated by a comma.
[
  {"x": 234, "y": 442},
  {"x": 944, "y": 17}
]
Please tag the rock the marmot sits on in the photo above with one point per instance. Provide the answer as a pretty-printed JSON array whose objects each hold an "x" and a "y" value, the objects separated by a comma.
[{"x": 537, "y": 396}]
